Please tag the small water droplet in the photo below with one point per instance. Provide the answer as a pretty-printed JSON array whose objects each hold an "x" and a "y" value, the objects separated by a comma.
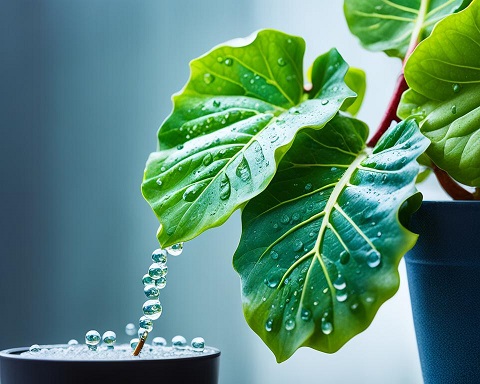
[
  {"x": 228, "y": 62},
  {"x": 225, "y": 188},
  {"x": 155, "y": 271},
  {"x": 109, "y": 338},
  {"x": 306, "y": 315},
  {"x": 354, "y": 307},
  {"x": 315, "y": 303},
  {"x": 34, "y": 348},
  {"x": 243, "y": 170},
  {"x": 198, "y": 344},
  {"x": 290, "y": 325},
  {"x": 159, "y": 182},
  {"x": 340, "y": 283},
  {"x": 456, "y": 88},
  {"x": 220, "y": 59},
  {"x": 379, "y": 234},
  {"x": 341, "y": 296},
  {"x": 179, "y": 342},
  {"x": 207, "y": 160},
  {"x": 146, "y": 323},
  {"x": 192, "y": 192},
  {"x": 208, "y": 78},
  {"x": 92, "y": 338},
  {"x": 324, "y": 101},
  {"x": 152, "y": 309},
  {"x": 369, "y": 299},
  {"x": 151, "y": 291},
  {"x": 274, "y": 255},
  {"x": 284, "y": 219},
  {"x": 161, "y": 282},
  {"x": 159, "y": 342},
  {"x": 159, "y": 256},
  {"x": 281, "y": 62},
  {"x": 326, "y": 326},
  {"x": 373, "y": 258},
  {"x": 134, "y": 342},
  {"x": 344, "y": 257},
  {"x": 297, "y": 245},
  {"x": 175, "y": 249},
  {"x": 216, "y": 103},
  {"x": 130, "y": 329},
  {"x": 269, "y": 325},
  {"x": 147, "y": 280},
  {"x": 180, "y": 147},
  {"x": 454, "y": 109},
  {"x": 308, "y": 186},
  {"x": 325, "y": 290},
  {"x": 72, "y": 342},
  {"x": 296, "y": 216}
]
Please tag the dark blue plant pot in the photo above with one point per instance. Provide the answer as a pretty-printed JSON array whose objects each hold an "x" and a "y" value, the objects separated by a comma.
[
  {"x": 15, "y": 369},
  {"x": 444, "y": 279}
]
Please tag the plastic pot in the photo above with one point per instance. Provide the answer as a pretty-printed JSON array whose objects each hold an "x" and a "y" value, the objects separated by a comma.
[
  {"x": 444, "y": 279},
  {"x": 15, "y": 369}
]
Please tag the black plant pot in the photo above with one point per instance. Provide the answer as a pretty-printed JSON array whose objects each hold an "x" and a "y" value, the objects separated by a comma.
[
  {"x": 444, "y": 280},
  {"x": 15, "y": 369}
]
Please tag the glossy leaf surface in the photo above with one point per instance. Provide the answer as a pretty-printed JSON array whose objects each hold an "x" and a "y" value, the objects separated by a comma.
[
  {"x": 388, "y": 25},
  {"x": 230, "y": 126},
  {"x": 321, "y": 245},
  {"x": 444, "y": 76}
]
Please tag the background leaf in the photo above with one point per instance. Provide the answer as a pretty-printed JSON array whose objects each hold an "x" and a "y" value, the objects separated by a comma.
[
  {"x": 388, "y": 25},
  {"x": 444, "y": 76},
  {"x": 230, "y": 126},
  {"x": 321, "y": 245},
  {"x": 356, "y": 80}
]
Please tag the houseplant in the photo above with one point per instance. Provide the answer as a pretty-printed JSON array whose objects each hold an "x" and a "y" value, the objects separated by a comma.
[{"x": 323, "y": 212}]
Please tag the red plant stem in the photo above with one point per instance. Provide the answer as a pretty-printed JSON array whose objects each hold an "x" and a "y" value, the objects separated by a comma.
[{"x": 450, "y": 186}]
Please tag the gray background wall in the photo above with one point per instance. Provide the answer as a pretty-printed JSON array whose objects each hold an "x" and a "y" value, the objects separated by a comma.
[{"x": 85, "y": 84}]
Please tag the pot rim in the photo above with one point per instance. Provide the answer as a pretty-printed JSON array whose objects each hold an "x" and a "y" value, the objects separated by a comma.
[{"x": 14, "y": 353}]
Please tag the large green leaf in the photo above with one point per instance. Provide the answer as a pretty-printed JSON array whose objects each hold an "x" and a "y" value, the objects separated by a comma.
[
  {"x": 321, "y": 245},
  {"x": 444, "y": 76},
  {"x": 230, "y": 126},
  {"x": 390, "y": 25}
]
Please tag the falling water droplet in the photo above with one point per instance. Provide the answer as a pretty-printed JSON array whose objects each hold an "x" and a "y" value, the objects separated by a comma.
[
  {"x": 152, "y": 309},
  {"x": 281, "y": 62},
  {"x": 161, "y": 282},
  {"x": 269, "y": 325},
  {"x": 198, "y": 344},
  {"x": 159, "y": 256},
  {"x": 175, "y": 249},
  {"x": 373, "y": 258},
  {"x": 155, "y": 271},
  {"x": 109, "y": 338},
  {"x": 159, "y": 342},
  {"x": 146, "y": 323},
  {"x": 225, "y": 188},
  {"x": 290, "y": 325},
  {"x": 151, "y": 291},
  {"x": 243, "y": 170},
  {"x": 147, "y": 280},
  {"x": 179, "y": 342},
  {"x": 130, "y": 329},
  {"x": 92, "y": 338},
  {"x": 208, "y": 78}
]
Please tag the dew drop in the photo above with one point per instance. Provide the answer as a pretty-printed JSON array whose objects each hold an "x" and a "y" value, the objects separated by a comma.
[
  {"x": 159, "y": 182},
  {"x": 220, "y": 59},
  {"x": 340, "y": 283},
  {"x": 306, "y": 315},
  {"x": 454, "y": 109},
  {"x": 92, "y": 338},
  {"x": 207, "y": 160},
  {"x": 130, "y": 329},
  {"x": 308, "y": 187},
  {"x": 243, "y": 170},
  {"x": 152, "y": 309},
  {"x": 324, "y": 102},
  {"x": 109, "y": 338},
  {"x": 159, "y": 342},
  {"x": 373, "y": 258},
  {"x": 344, "y": 257},
  {"x": 281, "y": 62},
  {"x": 216, "y": 103},
  {"x": 151, "y": 291},
  {"x": 456, "y": 88},
  {"x": 269, "y": 325},
  {"x": 379, "y": 234},
  {"x": 354, "y": 307},
  {"x": 175, "y": 249},
  {"x": 326, "y": 326},
  {"x": 296, "y": 216},
  {"x": 145, "y": 323},
  {"x": 34, "y": 348},
  {"x": 341, "y": 296},
  {"x": 290, "y": 325},
  {"x": 273, "y": 279},
  {"x": 179, "y": 342},
  {"x": 297, "y": 245},
  {"x": 192, "y": 192},
  {"x": 284, "y": 219},
  {"x": 325, "y": 290},
  {"x": 198, "y": 344},
  {"x": 180, "y": 147},
  {"x": 225, "y": 188},
  {"x": 228, "y": 62},
  {"x": 274, "y": 255},
  {"x": 208, "y": 78}
]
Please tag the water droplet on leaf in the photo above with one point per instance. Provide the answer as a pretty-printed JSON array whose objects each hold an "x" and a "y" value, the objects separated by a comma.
[{"x": 208, "y": 78}]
